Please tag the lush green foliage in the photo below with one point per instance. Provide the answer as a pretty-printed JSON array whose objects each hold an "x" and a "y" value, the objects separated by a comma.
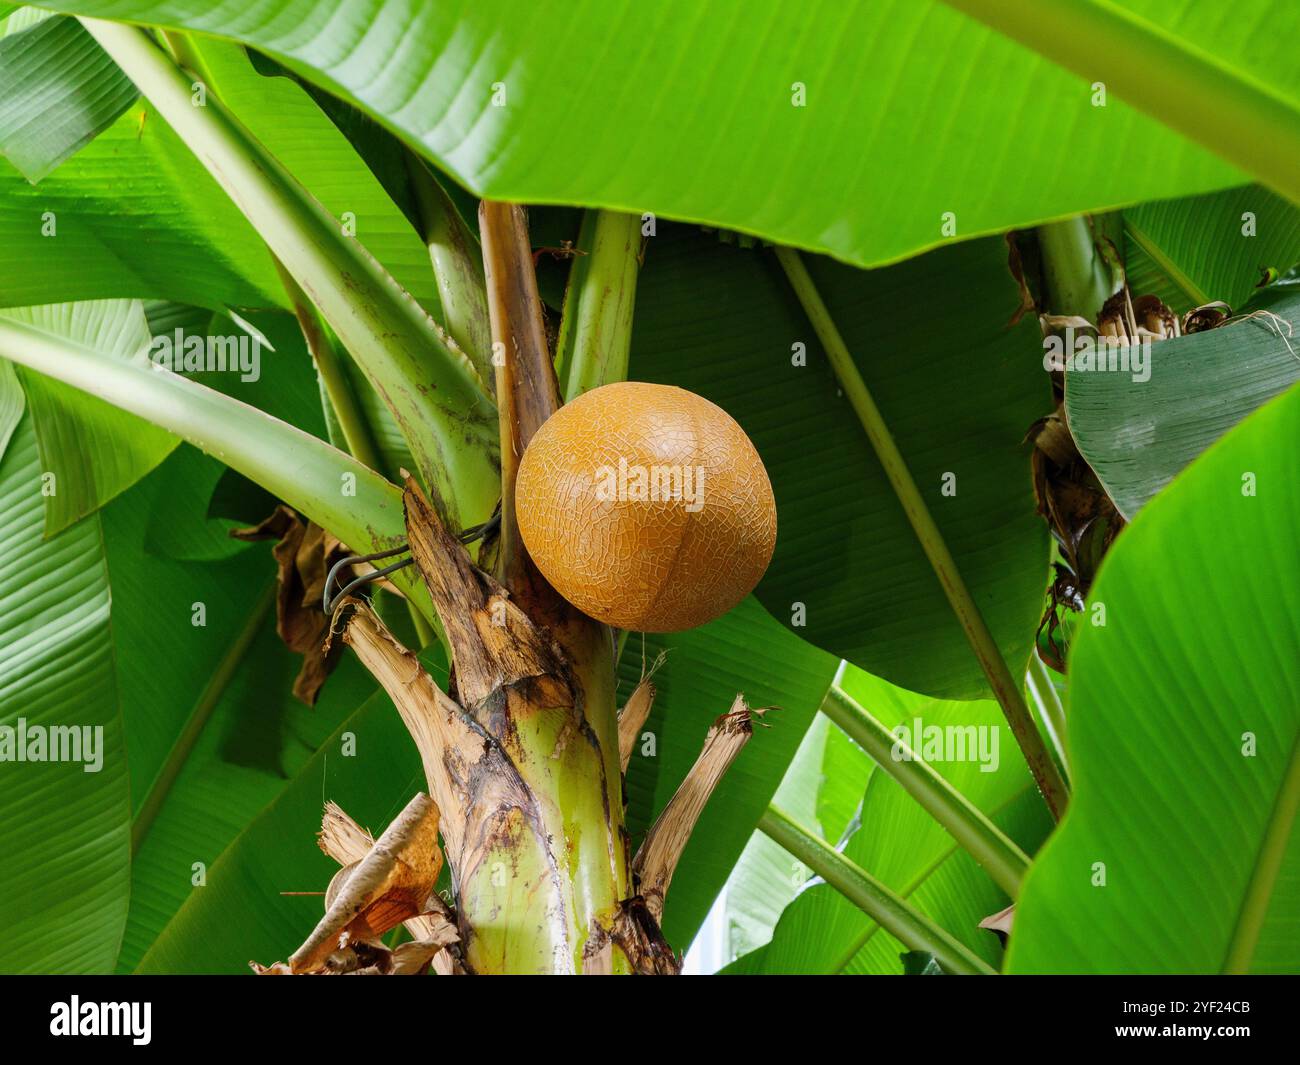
[{"x": 305, "y": 175}]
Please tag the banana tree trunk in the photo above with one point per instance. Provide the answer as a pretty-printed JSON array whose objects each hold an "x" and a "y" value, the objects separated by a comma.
[{"x": 524, "y": 761}]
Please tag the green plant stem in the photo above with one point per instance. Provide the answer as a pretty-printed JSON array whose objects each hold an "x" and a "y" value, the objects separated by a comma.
[
  {"x": 894, "y": 914},
  {"x": 595, "y": 336},
  {"x": 330, "y": 487},
  {"x": 334, "y": 376},
  {"x": 1078, "y": 279},
  {"x": 1266, "y": 870},
  {"x": 1049, "y": 706},
  {"x": 436, "y": 396},
  {"x": 1004, "y": 686},
  {"x": 457, "y": 268},
  {"x": 320, "y": 345},
  {"x": 198, "y": 718},
  {"x": 999, "y": 855},
  {"x": 1181, "y": 83}
]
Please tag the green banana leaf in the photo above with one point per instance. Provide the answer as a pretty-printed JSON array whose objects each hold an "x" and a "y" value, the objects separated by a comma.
[
  {"x": 64, "y": 825},
  {"x": 91, "y": 449},
  {"x": 12, "y": 404},
  {"x": 288, "y": 122},
  {"x": 1215, "y": 247},
  {"x": 247, "y": 908},
  {"x": 285, "y": 386},
  {"x": 823, "y": 789},
  {"x": 57, "y": 91},
  {"x": 957, "y": 386},
  {"x": 851, "y": 114},
  {"x": 178, "y": 525},
  {"x": 117, "y": 218},
  {"x": 1138, "y": 433},
  {"x": 18, "y": 18},
  {"x": 1178, "y": 853},
  {"x": 214, "y": 733},
  {"x": 259, "y": 737},
  {"x": 77, "y": 235}
]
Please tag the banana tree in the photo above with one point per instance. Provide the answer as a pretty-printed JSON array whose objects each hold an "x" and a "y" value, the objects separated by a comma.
[{"x": 385, "y": 287}]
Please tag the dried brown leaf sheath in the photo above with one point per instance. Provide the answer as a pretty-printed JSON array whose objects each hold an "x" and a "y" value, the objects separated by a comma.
[
  {"x": 636, "y": 711},
  {"x": 494, "y": 644},
  {"x": 450, "y": 746},
  {"x": 390, "y": 884},
  {"x": 304, "y": 553},
  {"x": 526, "y": 387},
  {"x": 630, "y": 719},
  {"x": 657, "y": 859},
  {"x": 348, "y": 843}
]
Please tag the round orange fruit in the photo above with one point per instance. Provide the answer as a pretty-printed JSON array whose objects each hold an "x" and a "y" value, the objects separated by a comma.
[{"x": 646, "y": 506}]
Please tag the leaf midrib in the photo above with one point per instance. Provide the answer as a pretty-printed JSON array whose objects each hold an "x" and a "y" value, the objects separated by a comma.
[
  {"x": 1265, "y": 870},
  {"x": 1171, "y": 269}
]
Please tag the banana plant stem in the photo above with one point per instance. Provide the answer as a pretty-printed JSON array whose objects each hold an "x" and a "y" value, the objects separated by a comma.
[
  {"x": 457, "y": 264},
  {"x": 1000, "y": 857},
  {"x": 333, "y": 374},
  {"x": 595, "y": 338},
  {"x": 894, "y": 914},
  {"x": 1049, "y": 705},
  {"x": 1078, "y": 279},
  {"x": 1004, "y": 686},
  {"x": 431, "y": 387},
  {"x": 338, "y": 390}
]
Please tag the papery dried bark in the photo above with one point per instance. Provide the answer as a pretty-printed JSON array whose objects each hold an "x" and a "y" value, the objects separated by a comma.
[
  {"x": 634, "y": 714},
  {"x": 382, "y": 883},
  {"x": 657, "y": 858},
  {"x": 304, "y": 553},
  {"x": 342, "y": 839},
  {"x": 392, "y": 883},
  {"x": 462, "y": 764},
  {"x": 636, "y": 711}
]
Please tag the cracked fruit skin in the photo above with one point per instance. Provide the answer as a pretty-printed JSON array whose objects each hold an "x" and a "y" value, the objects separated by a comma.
[{"x": 646, "y": 506}]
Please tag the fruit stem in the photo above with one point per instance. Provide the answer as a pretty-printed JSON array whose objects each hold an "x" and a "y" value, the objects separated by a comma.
[{"x": 1005, "y": 688}]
